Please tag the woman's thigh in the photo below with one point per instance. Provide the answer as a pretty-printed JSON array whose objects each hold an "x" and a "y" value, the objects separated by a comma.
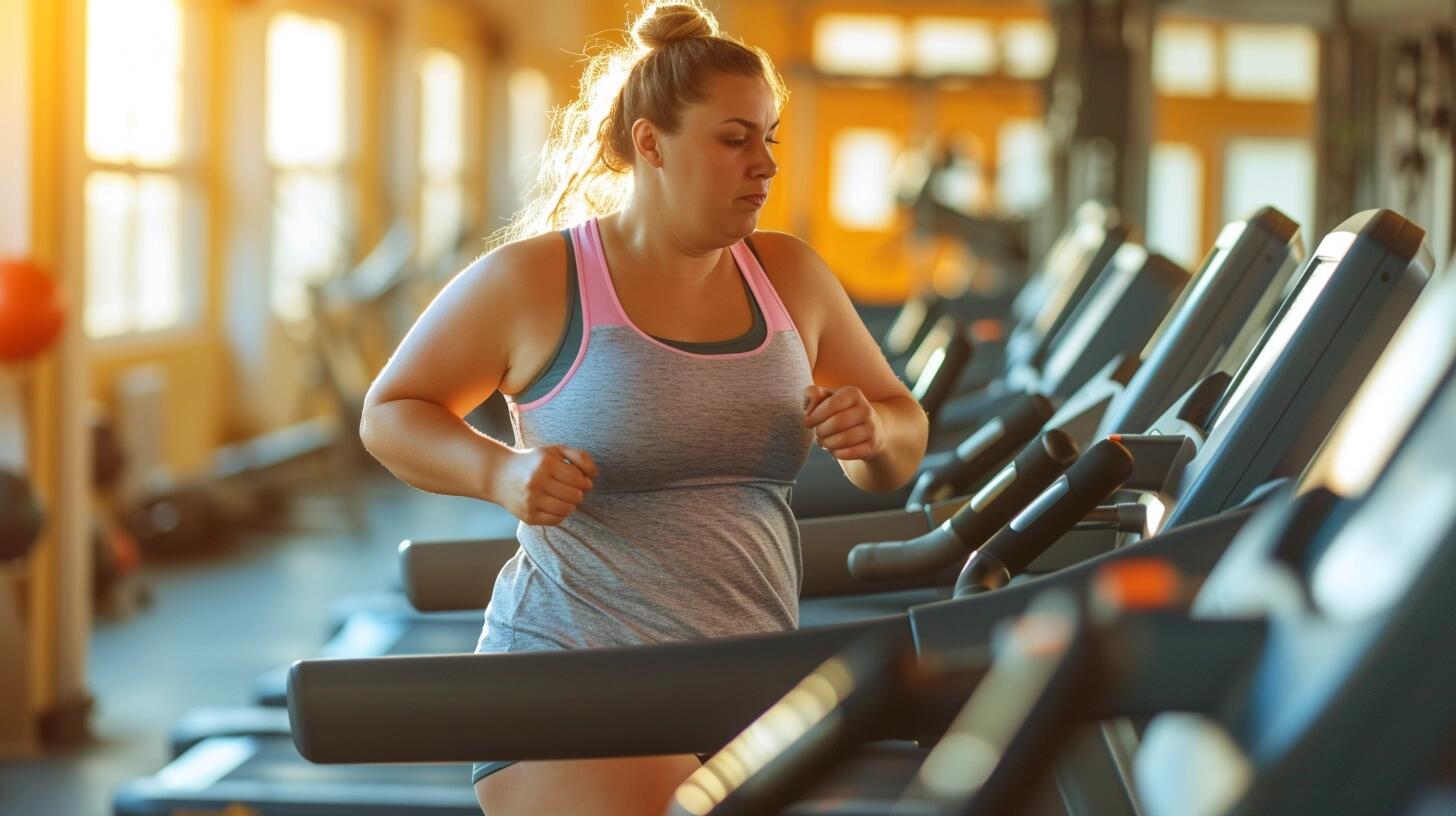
[{"x": 631, "y": 786}]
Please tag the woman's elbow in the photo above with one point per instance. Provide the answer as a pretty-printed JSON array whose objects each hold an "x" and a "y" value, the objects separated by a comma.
[{"x": 373, "y": 426}]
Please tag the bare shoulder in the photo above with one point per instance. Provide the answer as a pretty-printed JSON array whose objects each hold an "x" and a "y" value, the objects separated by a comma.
[
  {"x": 805, "y": 283},
  {"x": 512, "y": 286},
  {"x": 787, "y": 256},
  {"x": 484, "y": 329},
  {"x": 520, "y": 267}
]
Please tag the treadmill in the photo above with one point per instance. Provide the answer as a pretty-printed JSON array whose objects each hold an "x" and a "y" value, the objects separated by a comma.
[
  {"x": 678, "y": 697},
  {"x": 1040, "y": 306},
  {"x": 1123, "y": 309},
  {"x": 1071, "y": 267},
  {"x": 1283, "y": 672},
  {"x": 1120, "y": 313}
]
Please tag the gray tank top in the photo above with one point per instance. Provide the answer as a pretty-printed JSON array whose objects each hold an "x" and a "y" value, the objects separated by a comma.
[
  {"x": 688, "y": 533},
  {"x": 565, "y": 355}
]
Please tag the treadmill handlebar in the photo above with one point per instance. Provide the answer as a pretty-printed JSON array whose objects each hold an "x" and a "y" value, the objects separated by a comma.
[
  {"x": 1198, "y": 405},
  {"x": 984, "y": 450},
  {"x": 1094, "y": 477},
  {"x": 675, "y": 698},
  {"x": 1018, "y": 483}
]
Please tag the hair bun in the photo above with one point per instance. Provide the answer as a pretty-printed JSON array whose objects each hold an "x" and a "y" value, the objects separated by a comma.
[{"x": 663, "y": 23}]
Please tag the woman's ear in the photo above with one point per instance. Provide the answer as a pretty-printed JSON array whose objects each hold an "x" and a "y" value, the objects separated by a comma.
[{"x": 645, "y": 141}]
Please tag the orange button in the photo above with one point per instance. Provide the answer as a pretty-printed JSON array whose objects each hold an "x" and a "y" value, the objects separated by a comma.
[
  {"x": 987, "y": 330},
  {"x": 1138, "y": 584}
]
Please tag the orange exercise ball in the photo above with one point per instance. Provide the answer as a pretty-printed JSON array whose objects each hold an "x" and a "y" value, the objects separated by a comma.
[{"x": 31, "y": 313}]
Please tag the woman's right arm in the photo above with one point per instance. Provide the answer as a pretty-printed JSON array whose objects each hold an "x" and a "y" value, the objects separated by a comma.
[{"x": 455, "y": 356}]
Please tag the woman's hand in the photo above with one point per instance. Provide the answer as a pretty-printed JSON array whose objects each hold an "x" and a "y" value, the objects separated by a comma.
[
  {"x": 542, "y": 486},
  {"x": 844, "y": 421}
]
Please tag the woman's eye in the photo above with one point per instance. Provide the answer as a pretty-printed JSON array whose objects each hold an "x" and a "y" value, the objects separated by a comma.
[{"x": 772, "y": 141}]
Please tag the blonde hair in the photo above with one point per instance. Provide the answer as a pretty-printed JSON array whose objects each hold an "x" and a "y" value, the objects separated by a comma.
[{"x": 586, "y": 165}]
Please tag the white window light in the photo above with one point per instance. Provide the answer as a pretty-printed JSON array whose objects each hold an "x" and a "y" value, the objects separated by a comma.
[
  {"x": 860, "y": 44},
  {"x": 953, "y": 46},
  {"x": 1028, "y": 48},
  {"x": 137, "y": 227},
  {"x": 442, "y": 113},
  {"x": 1276, "y": 172},
  {"x": 305, "y": 90},
  {"x": 861, "y": 162},
  {"x": 306, "y": 146},
  {"x": 1175, "y": 202},
  {"x": 134, "y": 81},
  {"x": 1185, "y": 59},
  {"x": 1023, "y": 166},
  {"x": 442, "y": 151},
  {"x": 1271, "y": 62},
  {"x": 529, "y": 95}
]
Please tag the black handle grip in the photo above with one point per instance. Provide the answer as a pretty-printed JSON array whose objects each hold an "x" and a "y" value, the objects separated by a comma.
[
  {"x": 1010, "y": 490},
  {"x": 1094, "y": 477},
  {"x": 984, "y": 450}
]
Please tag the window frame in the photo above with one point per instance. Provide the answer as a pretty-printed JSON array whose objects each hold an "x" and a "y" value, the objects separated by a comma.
[
  {"x": 348, "y": 170},
  {"x": 190, "y": 171},
  {"x": 456, "y": 179}
]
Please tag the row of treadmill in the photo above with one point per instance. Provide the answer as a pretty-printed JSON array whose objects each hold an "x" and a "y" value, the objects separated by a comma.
[{"x": 1182, "y": 544}]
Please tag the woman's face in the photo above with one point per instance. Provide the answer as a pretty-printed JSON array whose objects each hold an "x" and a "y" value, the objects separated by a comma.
[{"x": 717, "y": 168}]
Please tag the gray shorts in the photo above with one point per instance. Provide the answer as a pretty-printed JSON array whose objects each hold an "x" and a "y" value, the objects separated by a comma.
[{"x": 481, "y": 770}]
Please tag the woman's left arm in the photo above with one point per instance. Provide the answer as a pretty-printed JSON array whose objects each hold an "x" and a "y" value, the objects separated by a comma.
[{"x": 861, "y": 413}]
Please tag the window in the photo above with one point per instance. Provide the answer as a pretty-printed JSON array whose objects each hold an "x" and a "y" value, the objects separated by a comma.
[
  {"x": 1271, "y": 62},
  {"x": 862, "y": 44},
  {"x": 1023, "y": 166},
  {"x": 1185, "y": 59},
  {"x": 882, "y": 45},
  {"x": 1028, "y": 48},
  {"x": 306, "y": 150},
  {"x": 530, "y": 110},
  {"x": 1277, "y": 172},
  {"x": 1175, "y": 202},
  {"x": 141, "y": 218},
  {"x": 953, "y": 46},
  {"x": 961, "y": 183},
  {"x": 861, "y": 161},
  {"x": 442, "y": 153}
]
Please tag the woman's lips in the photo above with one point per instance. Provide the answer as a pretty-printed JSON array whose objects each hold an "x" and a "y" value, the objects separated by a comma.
[{"x": 756, "y": 200}]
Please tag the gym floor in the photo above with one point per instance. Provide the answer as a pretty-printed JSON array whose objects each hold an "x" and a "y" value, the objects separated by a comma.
[{"x": 215, "y": 625}]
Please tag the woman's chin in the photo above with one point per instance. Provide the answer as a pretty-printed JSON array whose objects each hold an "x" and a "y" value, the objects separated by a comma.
[{"x": 745, "y": 223}]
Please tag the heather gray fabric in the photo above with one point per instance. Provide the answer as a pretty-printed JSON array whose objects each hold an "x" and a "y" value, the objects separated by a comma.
[
  {"x": 566, "y": 348},
  {"x": 688, "y": 533}
]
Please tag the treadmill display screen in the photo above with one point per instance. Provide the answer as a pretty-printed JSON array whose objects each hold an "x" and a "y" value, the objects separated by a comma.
[
  {"x": 1275, "y": 339},
  {"x": 1202, "y": 279},
  {"x": 1067, "y": 270},
  {"x": 1371, "y": 565},
  {"x": 1412, "y": 367},
  {"x": 907, "y": 324}
]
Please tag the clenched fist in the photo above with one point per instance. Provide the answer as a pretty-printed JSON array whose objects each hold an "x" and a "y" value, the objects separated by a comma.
[
  {"x": 542, "y": 486},
  {"x": 844, "y": 421}
]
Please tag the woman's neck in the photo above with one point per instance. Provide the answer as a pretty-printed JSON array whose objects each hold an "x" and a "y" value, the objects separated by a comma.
[{"x": 651, "y": 245}]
